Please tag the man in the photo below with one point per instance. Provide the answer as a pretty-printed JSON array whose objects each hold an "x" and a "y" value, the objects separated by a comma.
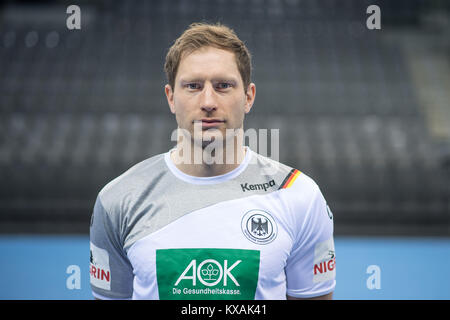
[{"x": 223, "y": 224}]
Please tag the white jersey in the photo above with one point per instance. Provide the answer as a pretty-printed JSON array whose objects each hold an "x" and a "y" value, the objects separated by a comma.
[{"x": 261, "y": 231}]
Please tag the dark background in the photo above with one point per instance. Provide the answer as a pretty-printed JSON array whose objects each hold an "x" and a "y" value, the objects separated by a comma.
[{"x": 365, "y": 113}]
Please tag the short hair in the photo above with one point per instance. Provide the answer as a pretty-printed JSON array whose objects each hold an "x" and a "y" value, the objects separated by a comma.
[{"x": 200, "y": 35}]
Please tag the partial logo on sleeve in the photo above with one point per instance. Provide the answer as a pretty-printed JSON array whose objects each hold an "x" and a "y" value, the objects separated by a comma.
[
  {"x": 100, "y": 273},
  {"x": 324, "y": 261},
  {"x": 330, "y": 214}
]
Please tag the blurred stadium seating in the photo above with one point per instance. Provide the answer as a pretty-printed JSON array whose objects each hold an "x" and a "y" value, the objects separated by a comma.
[{"x": 79, "y": 107}]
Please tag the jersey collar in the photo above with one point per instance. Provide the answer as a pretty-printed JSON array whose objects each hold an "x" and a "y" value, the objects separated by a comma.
[{"x": 208, "y": 180}]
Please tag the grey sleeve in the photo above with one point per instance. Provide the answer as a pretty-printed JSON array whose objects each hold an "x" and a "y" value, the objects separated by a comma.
[{"x": 111, "y": 273}]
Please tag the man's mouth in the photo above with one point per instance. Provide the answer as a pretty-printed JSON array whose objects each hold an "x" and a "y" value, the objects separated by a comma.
[{"x": 210, "y": 122}]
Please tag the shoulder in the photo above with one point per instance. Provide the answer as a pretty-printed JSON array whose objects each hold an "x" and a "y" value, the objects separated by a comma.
[
  {"x": 125, "y": 186},
  {"x": 305, "y": 208},
  {"x": 270, "y": 168},
  {"x": 302, "y": 195},
  {"x": 301, "y": 183},
  {"x": 296, "y": 189},
  {"x": 291, "y": 179}
]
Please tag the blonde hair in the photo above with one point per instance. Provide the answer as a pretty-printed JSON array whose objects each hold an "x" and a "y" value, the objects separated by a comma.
[{"x": 200, "y": 35}]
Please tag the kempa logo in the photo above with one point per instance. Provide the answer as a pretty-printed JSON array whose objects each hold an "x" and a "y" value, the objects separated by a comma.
[
  {"x": 209, "y": 272},
  {"x": 260, "y": 186}
]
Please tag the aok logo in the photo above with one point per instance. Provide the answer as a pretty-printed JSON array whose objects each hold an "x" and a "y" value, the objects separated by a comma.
[{"x": 209, "y": 272}]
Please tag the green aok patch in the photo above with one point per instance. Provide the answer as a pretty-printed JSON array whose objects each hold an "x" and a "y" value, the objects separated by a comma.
[{"x": 207, "y": 273}]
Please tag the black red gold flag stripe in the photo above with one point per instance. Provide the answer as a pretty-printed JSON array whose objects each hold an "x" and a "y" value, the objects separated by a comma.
[{"x": 290, "y": 178}]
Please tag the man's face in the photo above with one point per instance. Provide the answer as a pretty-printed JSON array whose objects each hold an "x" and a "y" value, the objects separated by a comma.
[{"x": 209, "y": 92}]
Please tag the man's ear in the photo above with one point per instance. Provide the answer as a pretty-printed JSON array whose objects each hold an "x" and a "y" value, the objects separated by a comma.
[
  {"x": 250, "y": 96},
  {"x": 170, "y": 97}
]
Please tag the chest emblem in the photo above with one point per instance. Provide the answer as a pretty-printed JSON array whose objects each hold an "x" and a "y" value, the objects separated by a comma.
[{"x": 259, "y": 226}]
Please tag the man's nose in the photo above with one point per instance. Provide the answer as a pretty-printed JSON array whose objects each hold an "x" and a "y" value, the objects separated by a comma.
[{"x": 208, "y": 99}]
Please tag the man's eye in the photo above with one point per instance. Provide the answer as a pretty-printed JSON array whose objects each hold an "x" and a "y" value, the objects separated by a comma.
[
  {"x": 193, "y": 86},
  {"x": 224, "y": 85}
]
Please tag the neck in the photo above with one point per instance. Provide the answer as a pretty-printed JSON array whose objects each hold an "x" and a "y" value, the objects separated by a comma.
[{"x": 208, "y": 160}]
